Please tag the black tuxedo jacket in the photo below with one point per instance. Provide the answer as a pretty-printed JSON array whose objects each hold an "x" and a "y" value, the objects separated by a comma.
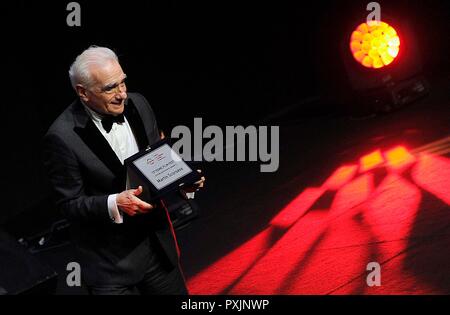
[{"x": 83, "y": 170}]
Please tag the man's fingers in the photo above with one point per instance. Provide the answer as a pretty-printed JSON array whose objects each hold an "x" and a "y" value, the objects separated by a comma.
[
  {"x": 143, "y": 206},
  {"x": 139, "y": 207},
  {"x": 131, "y": 212},
  {"x": 199, "y": 184},
  {"x": 137, "y": 191},
  {"x": 146, "y": 206},
  {"x": 201, "y": 181},
  {"x": 128, "y": 202}
]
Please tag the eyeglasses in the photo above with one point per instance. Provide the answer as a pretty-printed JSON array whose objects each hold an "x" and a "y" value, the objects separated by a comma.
[{"x": 114, "y": 88}]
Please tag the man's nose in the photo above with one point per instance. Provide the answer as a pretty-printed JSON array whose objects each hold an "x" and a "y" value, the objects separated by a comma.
[{"x": 122, "y": 95}]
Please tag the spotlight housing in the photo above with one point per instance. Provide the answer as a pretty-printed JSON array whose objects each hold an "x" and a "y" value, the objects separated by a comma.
[
  {"x": 374, "y": 44},
  {"x": 383, "y": 66}
]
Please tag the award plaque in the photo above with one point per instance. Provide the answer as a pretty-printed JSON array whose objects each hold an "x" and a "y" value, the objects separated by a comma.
[{"x": 159, "y": 170}]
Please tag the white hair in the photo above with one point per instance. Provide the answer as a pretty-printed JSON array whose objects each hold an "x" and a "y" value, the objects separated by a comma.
[{"x": 80, "y": 73}]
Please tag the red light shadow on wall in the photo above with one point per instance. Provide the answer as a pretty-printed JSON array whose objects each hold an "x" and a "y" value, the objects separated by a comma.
[
  {"x": 393, "y": 207},
  {"x": 363, "y": 222},
  {"x": 352, "y": 194},
  {"x": 224, "y": 273},
  {"x": 432, "y": 173}
]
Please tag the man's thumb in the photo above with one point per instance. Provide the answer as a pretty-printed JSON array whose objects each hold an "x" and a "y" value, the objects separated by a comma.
[{"x": 138, "y": 191}]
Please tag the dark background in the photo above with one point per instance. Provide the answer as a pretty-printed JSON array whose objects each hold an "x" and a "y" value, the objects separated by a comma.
[{"x": 229, "y": 62}]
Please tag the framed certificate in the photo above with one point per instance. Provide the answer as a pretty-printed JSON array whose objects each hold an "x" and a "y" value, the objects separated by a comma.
[{"x": 159, "y": 170}]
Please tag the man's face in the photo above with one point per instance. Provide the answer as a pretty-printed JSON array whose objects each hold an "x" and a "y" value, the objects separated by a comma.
[{"x": 108, "y": 93}]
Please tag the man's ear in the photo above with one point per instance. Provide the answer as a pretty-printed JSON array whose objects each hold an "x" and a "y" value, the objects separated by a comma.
[{"x": 82, "y": 92}]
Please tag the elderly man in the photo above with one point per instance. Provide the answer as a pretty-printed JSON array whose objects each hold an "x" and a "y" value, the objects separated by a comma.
[{"x": 126, "y": 245}]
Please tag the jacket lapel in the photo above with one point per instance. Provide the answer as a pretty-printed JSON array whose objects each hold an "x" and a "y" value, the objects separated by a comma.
[
  {"x": 136, "y": 124},
  {"x": 92, "y": 137}
]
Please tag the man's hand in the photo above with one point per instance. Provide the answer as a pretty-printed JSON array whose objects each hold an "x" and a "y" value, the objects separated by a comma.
[
  {"x": 194, "y": 187},
  {"x": 130, "y": 204}
]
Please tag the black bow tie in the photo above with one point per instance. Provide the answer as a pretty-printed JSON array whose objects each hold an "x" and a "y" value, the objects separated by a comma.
[{"x": 108, "y": 121}]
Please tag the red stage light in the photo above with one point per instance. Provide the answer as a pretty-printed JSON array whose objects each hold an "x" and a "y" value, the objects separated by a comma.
[
  {"x": 370, "y": 161},
  {"x": 340, "y": 177},
  {"x": 398, "y": 158},
  {"x": 323, "y": 252},
  {"x": 297, "y": 207},
  {"x": 374, "y": 45}
]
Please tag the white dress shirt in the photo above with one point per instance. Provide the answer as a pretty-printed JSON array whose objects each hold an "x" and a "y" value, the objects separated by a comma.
[{"x": 123, "y": 143}]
